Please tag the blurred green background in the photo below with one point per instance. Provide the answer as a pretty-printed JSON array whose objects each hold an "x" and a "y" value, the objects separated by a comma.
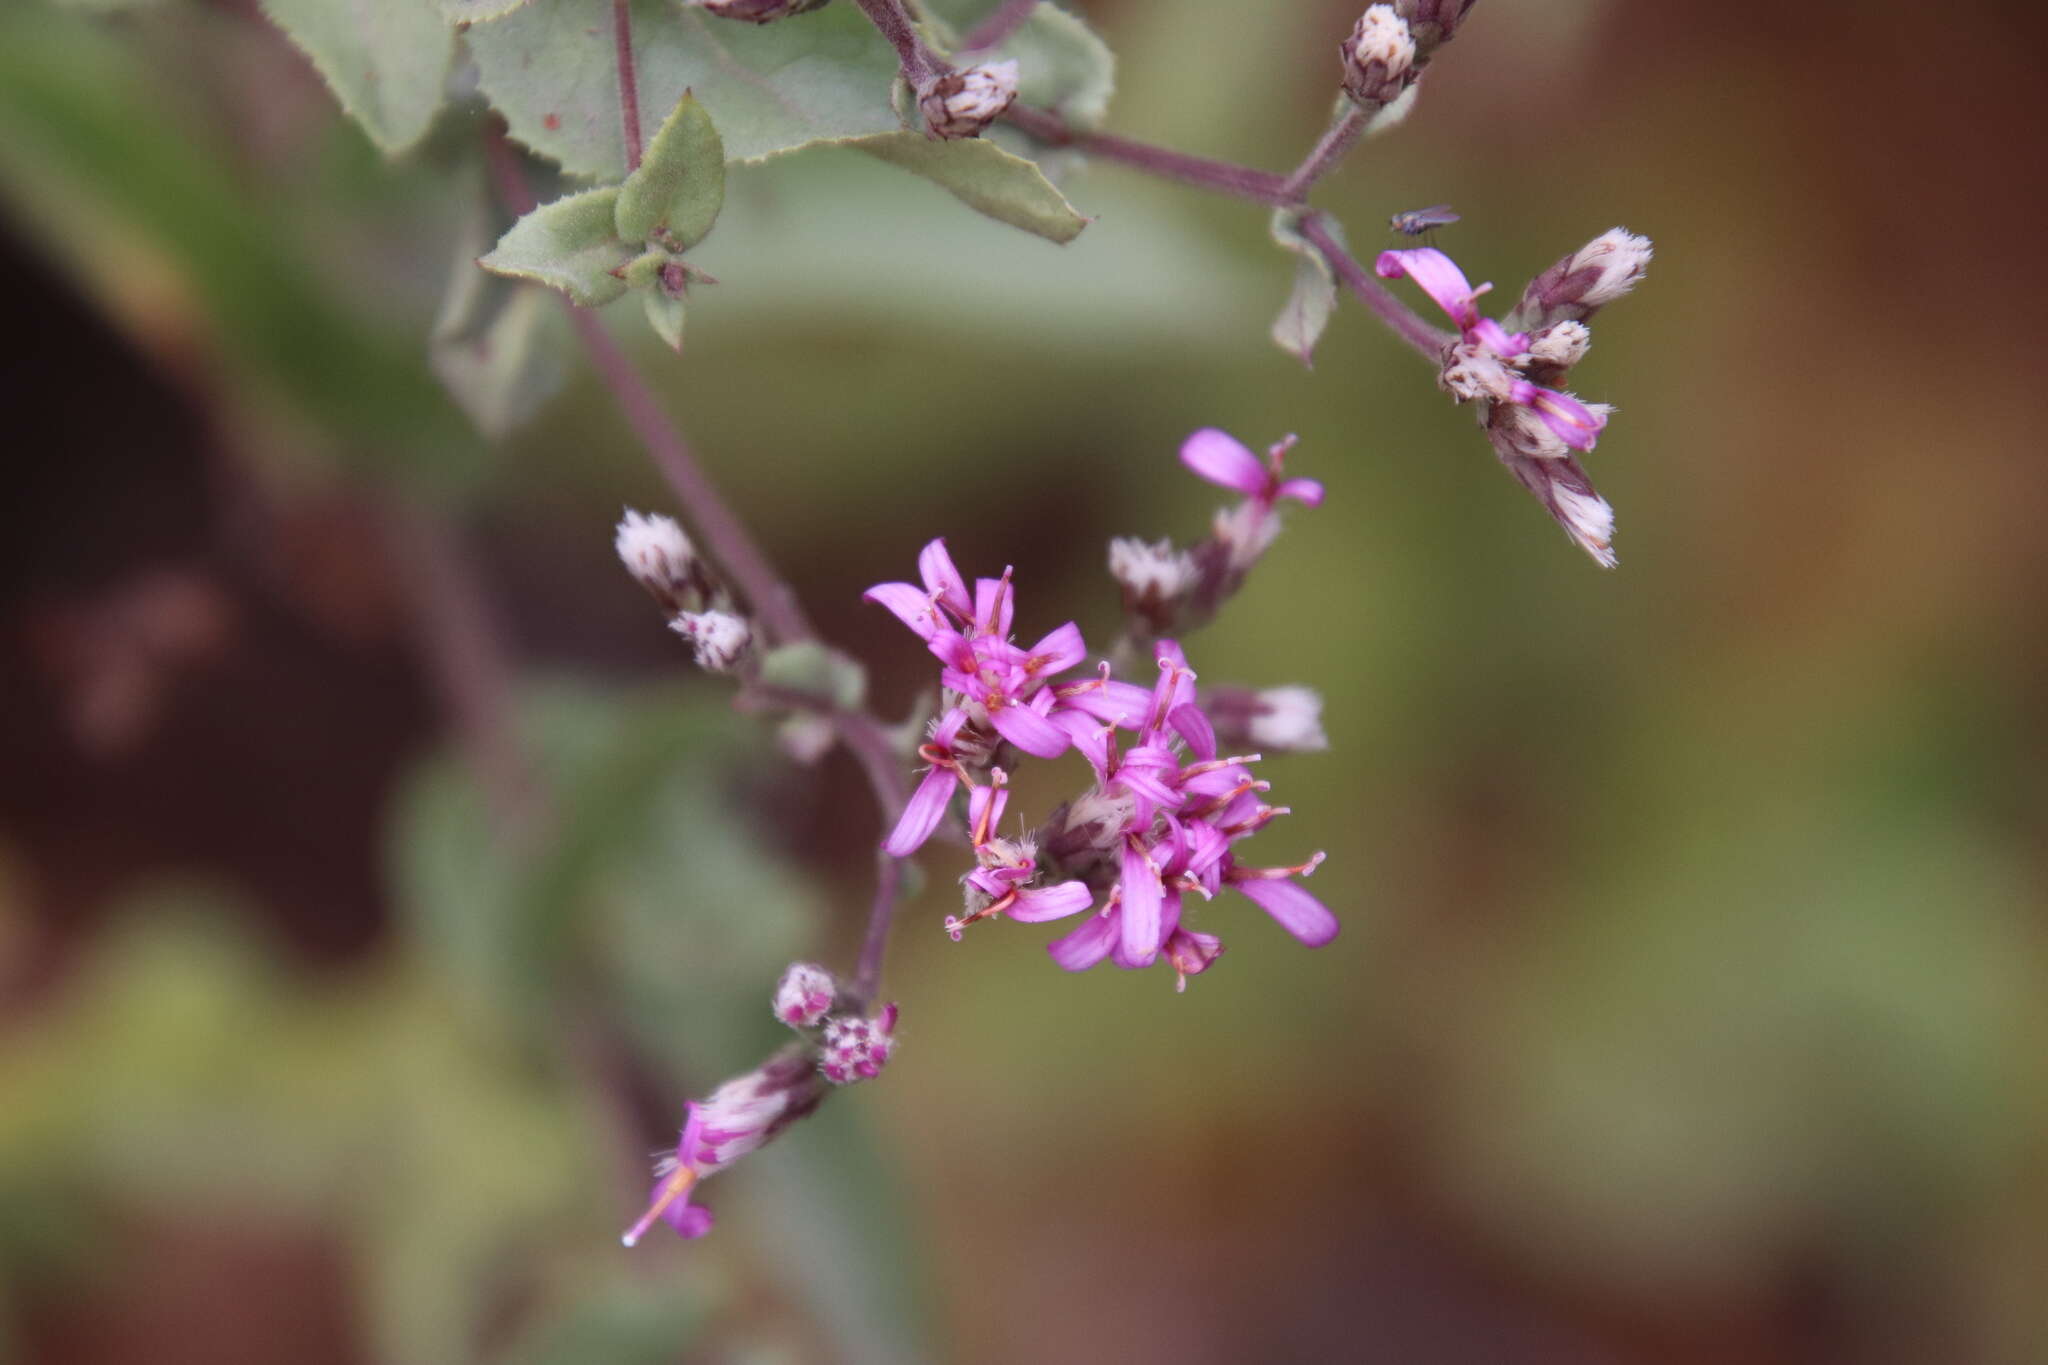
[{"x": 1690, "y": 1002}]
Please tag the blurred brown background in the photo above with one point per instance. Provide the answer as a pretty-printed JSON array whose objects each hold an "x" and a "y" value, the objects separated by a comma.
[{"x": 1691, "y": 1000}]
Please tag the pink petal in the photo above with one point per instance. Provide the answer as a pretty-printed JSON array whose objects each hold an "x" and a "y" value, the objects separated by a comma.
[
  {"x": 911, "y": 607},
  {"x": 1307, "y": 492},
  {"x": 1192, "y": 725},
  {"x": 690, "y": 1220},
  {"x": 1057, "y": 652},
  {"x": 1087, "y": 945},
  {"x": 1114, "y": 703},
  {"x": 949, "y": 727},
  {"x": 1143, "y": 896},
  {"x": 1050, "y": 902},
  {"x": 995, "y": 602},
  {"x": 981, "y": 814},
  {"x": 1029, "y": 731},
  {"x": 921, "y": 814},
  {"x": 1298, "y": 912},
  {"x": 942, "y": 580},
  {"x": 1439, "y": 277},
  {"x": 1577, "y": 425},
  {"x": 1224, "y": 460}
]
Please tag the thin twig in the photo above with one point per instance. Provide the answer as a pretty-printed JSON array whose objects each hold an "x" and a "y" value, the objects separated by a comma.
[
  {"x": 1243, "y": 182},
  {"x": 1337, "y": 139},
  {"x": 920, "y": 64},
  {"x": 881, "y": 915},
  {"x": 1427, "y": 340},
  {"x": 1007, "y": 19},
  {"x": 629, "y": 83}
]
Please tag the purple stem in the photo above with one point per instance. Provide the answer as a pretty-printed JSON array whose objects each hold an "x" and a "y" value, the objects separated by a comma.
[
  {"x": 1427, "y": 340},
  {"x": 629, "y": 83},
  {"x": 1008, "y": 18},
  {"x": 920, "y": 63},
  {"x": 1337, "y": 139},
  {"x": 888, "y": 881},
  {"x": 1244, "y": 182}
]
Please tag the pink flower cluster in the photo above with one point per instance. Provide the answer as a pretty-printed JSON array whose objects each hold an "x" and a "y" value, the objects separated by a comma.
[{"x": 1165, "y": 811}]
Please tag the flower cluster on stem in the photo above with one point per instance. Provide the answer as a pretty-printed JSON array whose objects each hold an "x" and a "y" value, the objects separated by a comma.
[
  {"x": 1161, "y": 821},
  {"x": 1536, "y": 427}
]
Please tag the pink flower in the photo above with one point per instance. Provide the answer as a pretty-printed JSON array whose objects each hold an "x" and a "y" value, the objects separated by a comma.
[
  {"x": 1227, "y": 462},
  {"x": 1484, "y": 363}
]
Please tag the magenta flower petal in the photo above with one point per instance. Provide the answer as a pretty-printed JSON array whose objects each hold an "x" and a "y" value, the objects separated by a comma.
[
  {"x": 690, "y": 1220},
  {"x": 1057, "y": 652},
  {"x": 1439, "y": 277},
  {"x": 995, "y": 602},
  {"x": 1085, "y": 946},
  {"x": 985, "y": 807},
  {"x": 1577, "y": 425},
  {"x": 1112, "y": 703},
  {"x": 1298, "y": 912},
  {"x": 942, "y": 580},
  {"x": 1496, "y": 338},
  {"x": 921, "y": 814},
  {"x": 1307, "y": 492},
  {"x": 1050, "y": 902},
  {"x": 1224, "y": 460},
  {"x": 912, "y": 607},
  {"x": 1142, "y": 898},
  {"x": 1029, "y": 731},
  {"x": 949, "y": 727},
  {"x": 1192, "y": 725}
]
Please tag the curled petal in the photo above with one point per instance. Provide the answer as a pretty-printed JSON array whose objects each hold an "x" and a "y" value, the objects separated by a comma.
[
  {"x": 1029, "y": 731},
  {"x": 1057, "y": 652},
  {"x": 1142, "y": 899},
  {"x": 1224, "y": 460},
  {"x": 1050, "y": 902},
  {"x": 912, "y": 607},
  {"x": 689, "y": 1220},
  {"x": 1113, "y": 703},
  {"x": 921, "y": 814},
  {"x": 1296, "y": 911},
  {"x": 1085, "y": 946},
  {"x": 995, "y": 602},
  {"x": 1439, "y": 277},
  {"x": 985, "y": 809},
  {"x": 1307, "y": 492},
  {"x": 942, "y": 580}
]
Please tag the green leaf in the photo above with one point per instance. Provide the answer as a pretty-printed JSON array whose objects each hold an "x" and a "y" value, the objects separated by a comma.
[
  {"x": 478, "y": 11},
  {"x": 1314, "y": 297},
  {"x": 385, "y": 60},
  {"x": 665, "y": 315},
  {"x": 551, "y": 69},
  {"x": 984, "y": 177},
  {"x": 571, "y": 245},
  {"x": 498, "y": 346},
  {"x": 816, "y": 671},
  {"x": 680, "y": 183}
]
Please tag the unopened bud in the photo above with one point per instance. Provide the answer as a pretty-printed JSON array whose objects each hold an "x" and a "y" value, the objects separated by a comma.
[
  {"x": 857, "y": 1049},
  {"x": 657, "y": 553},
  {"x": 1379, "y": 58},
  {"x": 1433, "y": 22},
  {"x": 1278, "y": 718},
  {"x": 757, "y": 11},
  {"x": 805, "y": 995},
  {"x": 1472, "y": 370},
  {"x": 1155, "y": 578},
  {"x": 719, "y": 638},
  {"x": 1563, "y": 344},
  {"x": 962, "y": 103},
  {"x": 1582, "y": 283},
  {"x": 1567, "y": 494}
]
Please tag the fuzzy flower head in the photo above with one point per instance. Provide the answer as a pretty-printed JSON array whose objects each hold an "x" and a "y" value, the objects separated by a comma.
[
  {"x": 661, "y": 559},
  {"x": 805, "y": 994},
  {"x": 1379, "y": 58},
  {"x": 856, "y": 1049},
  {"x": 719, "y": 638}
]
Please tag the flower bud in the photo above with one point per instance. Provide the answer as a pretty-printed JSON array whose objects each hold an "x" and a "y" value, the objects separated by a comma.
[
  {"x": 1191, "y": 954},
  {"x": 1433, "y": 22},
  {"x": 757, "y": 11},
  {"x": 805, "y": 995},
  {"x": 1155, "y": 578},
  {"x": 1568, "y": 495},
  {"x": 962, "y": 103},
  {"x": 856, "y": 1049},
  {"x": 657, "y": 553},
  {"x": 1563, "y": 344},
  {"x": 1582, "y": 283},
  {"x": 719, "y": 637},
  {"x": 1473, "y": 370},
  {"x": 1379, "y": 58}
]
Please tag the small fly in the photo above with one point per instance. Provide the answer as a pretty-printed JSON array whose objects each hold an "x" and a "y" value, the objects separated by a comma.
[{"x": 1423, "y": 222}]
